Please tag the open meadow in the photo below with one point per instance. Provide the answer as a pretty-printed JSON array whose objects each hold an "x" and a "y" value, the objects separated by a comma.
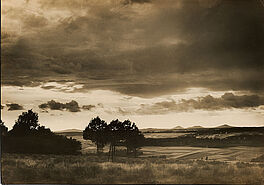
[
  {"x": 155, "y": 164},
  {"x": 85, "y": 169}
]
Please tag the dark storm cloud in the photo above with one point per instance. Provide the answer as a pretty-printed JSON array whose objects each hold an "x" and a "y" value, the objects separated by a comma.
[
  {"x": 227, "y": 101},
  {"x": 49, "y": 87},
  {"x": 14, "y": 106},
  {"x": 72, "y": 106},
  {"x": 163, "y": 47},
  {"x": 35, "y": 21}
]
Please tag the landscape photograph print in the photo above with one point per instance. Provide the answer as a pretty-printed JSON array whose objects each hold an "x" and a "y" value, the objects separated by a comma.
[{"x": 132, "y": 92}]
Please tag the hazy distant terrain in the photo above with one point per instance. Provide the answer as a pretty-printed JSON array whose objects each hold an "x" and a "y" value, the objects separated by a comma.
[
  {"x": 238, "y": 152},
  {"x": 163, "y": 135}
]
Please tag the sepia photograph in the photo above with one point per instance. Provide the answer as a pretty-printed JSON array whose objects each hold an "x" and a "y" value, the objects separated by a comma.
[{"x": 132, "y": 92}]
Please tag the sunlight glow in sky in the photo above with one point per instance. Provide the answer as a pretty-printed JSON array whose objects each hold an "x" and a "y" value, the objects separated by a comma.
[{"x": 159, "y": 63}]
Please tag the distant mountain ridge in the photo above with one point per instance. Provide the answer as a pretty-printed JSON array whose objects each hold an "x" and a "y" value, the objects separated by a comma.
[
  {"x": 224, "y": 126},
  {"x": 177, "y": 128},
  {"x": 156, "y": 129},
  {"x": 195, "y": 127}
]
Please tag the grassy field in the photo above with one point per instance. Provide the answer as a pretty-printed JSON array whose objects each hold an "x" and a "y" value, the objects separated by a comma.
[
  {"x": 156, "y": 164},
  {"x": 83, "y": 169},
  {"x": 236, "y": 154}
]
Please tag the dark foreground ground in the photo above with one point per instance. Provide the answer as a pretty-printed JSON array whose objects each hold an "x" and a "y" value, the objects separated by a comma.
[{"x": 89, "y": 168}]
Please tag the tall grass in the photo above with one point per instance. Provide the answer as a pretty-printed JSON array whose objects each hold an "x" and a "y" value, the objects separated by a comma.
[{"x": 85, "y": 169}]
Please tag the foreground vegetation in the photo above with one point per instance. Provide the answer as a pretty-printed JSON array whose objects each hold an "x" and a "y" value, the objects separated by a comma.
[
  {"x": 83, "y": 169},
  {"x": 28, "y": 136}
]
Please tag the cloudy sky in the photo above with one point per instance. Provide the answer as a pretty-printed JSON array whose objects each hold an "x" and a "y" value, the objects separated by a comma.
[{"x": 159, "y": 63}]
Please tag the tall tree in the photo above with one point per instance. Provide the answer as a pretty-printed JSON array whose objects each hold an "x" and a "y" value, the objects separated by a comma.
[
  {"x": 134, "y": 139},
  {"x": 115, "y": 134},
  {"x": 128, "y": 127},
  {"x": 96, "y": 131},
  {"x": 27, "y": 123}
]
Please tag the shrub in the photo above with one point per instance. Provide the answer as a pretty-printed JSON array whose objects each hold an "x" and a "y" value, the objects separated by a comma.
[{"x": 53, "y": 144}]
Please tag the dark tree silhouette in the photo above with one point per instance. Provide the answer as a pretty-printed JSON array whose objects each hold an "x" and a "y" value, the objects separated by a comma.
[
  {"x": 96, "y": 131},
  {"x": 42, "y": 131},
  {"x": 27, "y": 136},
  {"x": 26, "y": 124},
  {"x": 134, "y": 139},
  {"x": 128, "y": 127},
  {"x": 3, "y": 128},
  {"x": 116, "y": 133}
]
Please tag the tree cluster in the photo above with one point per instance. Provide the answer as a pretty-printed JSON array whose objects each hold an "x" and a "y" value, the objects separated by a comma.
[
  {"x": 116, "y": 133},
  {"x": 28, "y": 136}
]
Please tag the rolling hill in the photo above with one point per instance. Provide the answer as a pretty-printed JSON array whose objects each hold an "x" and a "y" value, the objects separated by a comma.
[
  {"x": 177, "y": 128},
  {"x": 194, "y": 127},
  {"x": 224, "y": 126}
]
